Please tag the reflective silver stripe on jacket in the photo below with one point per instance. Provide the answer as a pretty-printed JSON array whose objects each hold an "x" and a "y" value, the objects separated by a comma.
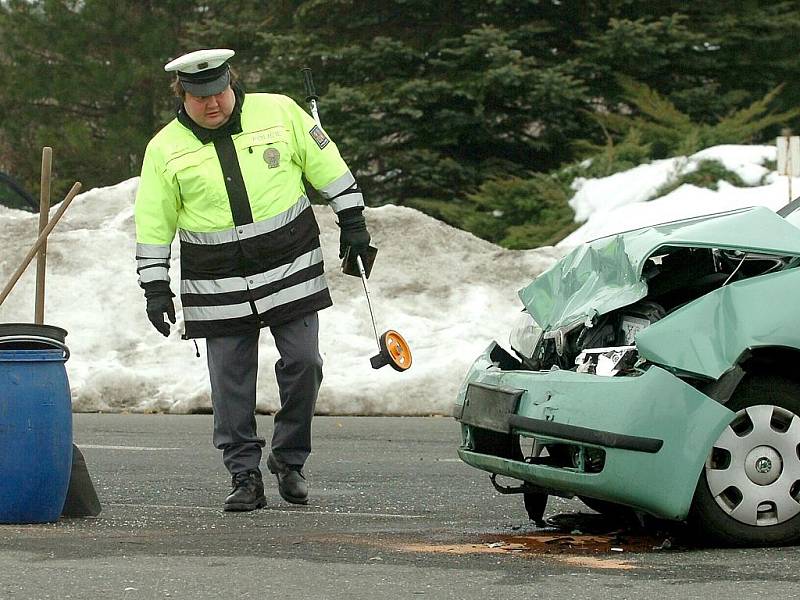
[
  {"x": 250, "y": 230},
  {"x": 337, "y": 187},
  {"x": 152, "y": 262},
  {"x": 214, "y": 313},
  {"x": 152, "y": 250},
  {"x": 154, "y": 274},
  {"x": 233, "y": 311},
  {"x": 240, "y": 284},
  {"x": 290, "y": 294}
]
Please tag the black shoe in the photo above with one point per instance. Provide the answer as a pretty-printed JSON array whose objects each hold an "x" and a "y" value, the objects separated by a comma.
[
  {"x": 292, "y": 484},
  {"x": 248, "y": 492}
]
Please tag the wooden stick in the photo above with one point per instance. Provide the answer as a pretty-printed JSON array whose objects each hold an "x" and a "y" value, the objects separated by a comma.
[
  {"x": 40, "y": 240},
  {"x": 44, "y": 211}
]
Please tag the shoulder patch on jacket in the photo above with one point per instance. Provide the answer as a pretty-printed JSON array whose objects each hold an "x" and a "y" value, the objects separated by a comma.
[{"x": 319, "y": 136}]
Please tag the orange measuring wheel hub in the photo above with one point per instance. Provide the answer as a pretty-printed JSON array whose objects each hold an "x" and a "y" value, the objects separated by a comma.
[
  {"x": 394, "y": 351},
  {"x": 399, "y": 354}
]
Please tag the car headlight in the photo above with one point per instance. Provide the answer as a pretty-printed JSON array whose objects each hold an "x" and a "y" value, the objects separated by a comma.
[{"x": 525, "y": 335}]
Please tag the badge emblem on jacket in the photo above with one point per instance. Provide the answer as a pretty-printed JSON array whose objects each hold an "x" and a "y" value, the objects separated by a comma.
[
  {"x": 319, "y": 136},
  {"x": 272, "y": 157}
]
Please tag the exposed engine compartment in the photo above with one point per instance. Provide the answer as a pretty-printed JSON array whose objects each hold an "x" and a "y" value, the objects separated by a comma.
[{"x": 675, "y": 276}]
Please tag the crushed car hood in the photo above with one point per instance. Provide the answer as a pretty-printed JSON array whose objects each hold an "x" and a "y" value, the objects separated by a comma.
[{"x": 606, "y": 274}]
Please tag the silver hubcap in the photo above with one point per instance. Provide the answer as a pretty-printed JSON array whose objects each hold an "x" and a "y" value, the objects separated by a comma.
[{"x": 753, "y": 471}]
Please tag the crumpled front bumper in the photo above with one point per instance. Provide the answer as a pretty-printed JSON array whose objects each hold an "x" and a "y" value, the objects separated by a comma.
[{"x": 656, "y": 432}]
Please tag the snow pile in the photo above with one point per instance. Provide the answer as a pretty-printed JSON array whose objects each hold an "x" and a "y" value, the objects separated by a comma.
[
  {"x": 447, "y": 292},
  {"x": 617, "y": 203}
]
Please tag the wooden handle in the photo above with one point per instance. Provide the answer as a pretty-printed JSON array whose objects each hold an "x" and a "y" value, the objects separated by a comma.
[
  {"x": 40, "y": 240},
  {"x": 44, "y": 211}
]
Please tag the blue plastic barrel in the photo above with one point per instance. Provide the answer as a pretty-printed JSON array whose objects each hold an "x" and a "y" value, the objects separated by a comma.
[{"x": 35, "y": 423}]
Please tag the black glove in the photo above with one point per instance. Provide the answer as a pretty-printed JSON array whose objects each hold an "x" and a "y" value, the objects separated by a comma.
[
  {"x": 353, "y": 232},
  {"x": 159, "y": 301}
]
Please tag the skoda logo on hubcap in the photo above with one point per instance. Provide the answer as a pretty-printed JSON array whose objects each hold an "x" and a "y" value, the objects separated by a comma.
[{"x": 763, "y": 465}]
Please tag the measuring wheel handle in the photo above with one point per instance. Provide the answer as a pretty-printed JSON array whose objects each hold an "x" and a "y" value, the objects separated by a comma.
[{"x": 394, "y": 351}]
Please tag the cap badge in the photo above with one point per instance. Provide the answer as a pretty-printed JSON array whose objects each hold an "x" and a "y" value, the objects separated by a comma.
[
  {"x": 272, "y": 157},
  {"x": 201, "y": 66}
]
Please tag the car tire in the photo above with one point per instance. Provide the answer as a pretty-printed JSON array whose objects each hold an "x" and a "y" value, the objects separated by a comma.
[{"x": 748, "y": 493}]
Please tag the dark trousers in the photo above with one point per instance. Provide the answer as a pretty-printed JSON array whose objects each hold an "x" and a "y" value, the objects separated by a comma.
[{"x": 233, "y": 369}]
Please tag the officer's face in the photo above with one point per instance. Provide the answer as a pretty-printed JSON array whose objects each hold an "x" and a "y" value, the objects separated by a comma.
[{"x": 210, "y": 112}]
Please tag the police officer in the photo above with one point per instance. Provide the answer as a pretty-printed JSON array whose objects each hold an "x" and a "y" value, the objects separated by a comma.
[{"x": 226, "y": 175}]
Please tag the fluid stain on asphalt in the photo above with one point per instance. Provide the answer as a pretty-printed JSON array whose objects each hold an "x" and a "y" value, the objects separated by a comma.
[
  {"x": 577, "y": 542},
  {"x": 593, "y": 551},
  {"x": 522, "y": 547},
  {"x": 578, "y": 539}
]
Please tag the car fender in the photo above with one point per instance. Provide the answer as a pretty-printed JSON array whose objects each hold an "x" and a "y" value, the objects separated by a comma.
[{"x": 708, "y": 336}]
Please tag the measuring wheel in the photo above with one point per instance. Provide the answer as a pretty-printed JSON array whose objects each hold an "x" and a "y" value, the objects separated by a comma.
[
  {"x": 394, "y": 351},
  {"x": 392, "y": 348}
]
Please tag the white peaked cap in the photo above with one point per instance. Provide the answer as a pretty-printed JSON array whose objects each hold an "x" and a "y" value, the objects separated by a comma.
[
  {"x": 203, "y": 72},
  {"x": 199, "y": 60}
]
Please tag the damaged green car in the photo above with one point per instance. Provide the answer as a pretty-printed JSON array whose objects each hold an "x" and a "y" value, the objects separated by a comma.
[{"x": 656, "y": 370}]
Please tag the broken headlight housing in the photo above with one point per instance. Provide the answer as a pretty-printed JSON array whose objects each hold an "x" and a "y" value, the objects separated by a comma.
[{"x": 525, "y": 335}]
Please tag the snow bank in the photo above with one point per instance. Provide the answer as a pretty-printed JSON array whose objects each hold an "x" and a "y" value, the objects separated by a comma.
[
  {"x": 448, "y": 292},
  {"x": 617, "y": 203}
]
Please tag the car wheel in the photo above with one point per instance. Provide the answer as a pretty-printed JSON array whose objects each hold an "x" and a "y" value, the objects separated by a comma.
[{"x": 749, "y": 491}]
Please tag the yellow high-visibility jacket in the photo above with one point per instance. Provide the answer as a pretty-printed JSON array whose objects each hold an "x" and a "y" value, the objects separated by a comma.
[{"x": 249, "y": 243}]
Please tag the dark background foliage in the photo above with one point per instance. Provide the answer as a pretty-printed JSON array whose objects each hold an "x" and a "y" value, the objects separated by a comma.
[{"x": 476, "y": 111}]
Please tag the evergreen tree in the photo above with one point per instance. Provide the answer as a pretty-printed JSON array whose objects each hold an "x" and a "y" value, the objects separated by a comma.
[
  {"x": 424, "y": 99},
  {"x": 706, "y": 58},
  {"x": 82, "y": 76},
  {"x": 669, "y": 132},
  {"x": 471, "y": 110}
]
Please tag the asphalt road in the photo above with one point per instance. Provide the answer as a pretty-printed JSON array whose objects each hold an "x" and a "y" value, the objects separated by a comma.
[{"x": 393, "y": 514}]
